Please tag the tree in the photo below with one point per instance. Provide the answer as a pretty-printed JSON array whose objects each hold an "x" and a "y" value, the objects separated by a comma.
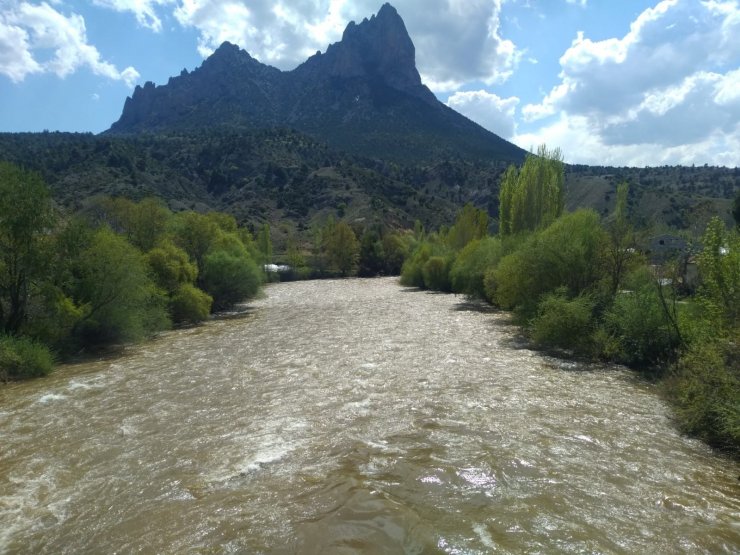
[
  {"x": 567, "y": 254},
  {"x": 471, "y": 224},
  {"x": 195, "y": 234},
  {"x": 113, "y": 286},
  {"x": 719, "y": 268},
  {"x": 342, "y": 249},
  {"x": 619, "y": 251},
  {"x": 229, "y": 275},
  {"x": 736, "y": 210},
  {"x": 171, "y": 266},
  {"x": 142, "y": 223},
  {"x": 535, "y": 196},
  {"x": 26, "y": 217},
  {"x": 264, "y": 244}
]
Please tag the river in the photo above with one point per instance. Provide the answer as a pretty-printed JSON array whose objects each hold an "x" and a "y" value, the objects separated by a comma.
[{"x": 353, "y": 416}]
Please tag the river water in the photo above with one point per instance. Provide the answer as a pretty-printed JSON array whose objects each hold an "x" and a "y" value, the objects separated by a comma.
[{"x": 353, "y": 416}]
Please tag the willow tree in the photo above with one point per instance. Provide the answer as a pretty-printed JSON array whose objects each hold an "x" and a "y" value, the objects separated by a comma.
[{"x": 533, "y": 197}]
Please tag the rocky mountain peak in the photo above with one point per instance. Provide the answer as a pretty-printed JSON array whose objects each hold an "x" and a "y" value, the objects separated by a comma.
[{"x": 378, "y": 47}]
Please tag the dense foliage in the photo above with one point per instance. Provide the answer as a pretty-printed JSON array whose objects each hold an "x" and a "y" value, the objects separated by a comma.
[{"x": 117, "y": 272}]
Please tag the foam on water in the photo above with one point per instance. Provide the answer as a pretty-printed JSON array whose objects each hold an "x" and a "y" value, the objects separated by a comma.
[{"x": 49, "y": 397}]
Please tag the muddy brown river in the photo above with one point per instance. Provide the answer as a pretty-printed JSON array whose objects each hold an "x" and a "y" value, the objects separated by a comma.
[{"x": 354, "y": 416}]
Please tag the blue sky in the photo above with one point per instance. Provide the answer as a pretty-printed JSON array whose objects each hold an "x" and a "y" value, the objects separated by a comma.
[{"x": 614, "y": 82}]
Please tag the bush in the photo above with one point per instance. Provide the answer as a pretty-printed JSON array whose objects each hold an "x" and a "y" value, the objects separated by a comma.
[
  {"x": 638, "y": 321},
  {"x": 566, "y": 254},
  {"x": 171, "y": 266},
  {"x": 436, "y": 273},
  {"x": 190, "y": 304},
  {"x": 230, "y": 277},
  {"x": 120, "y": 299},
  {"x": 468, "y": 271},
  {"x": 565, "y": 323},
  {"x": 706, "y": 394},
  {"x": 411, "y": 272},
  {"x": 23, "y": 358}
]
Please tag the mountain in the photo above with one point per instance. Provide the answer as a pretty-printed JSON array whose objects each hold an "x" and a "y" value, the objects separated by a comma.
[{"x": 363, "y": 95}]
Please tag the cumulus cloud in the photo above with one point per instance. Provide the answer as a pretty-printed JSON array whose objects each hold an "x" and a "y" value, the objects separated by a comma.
[
  {"x": 670, "y": 83},
  {"x": 489, "y": 110},
  {"x": 582, "y": 143},
  {"x": 36, "y": 38},
  {"x": 456, "y": 42},
  {"x": 145, "y": 11}
]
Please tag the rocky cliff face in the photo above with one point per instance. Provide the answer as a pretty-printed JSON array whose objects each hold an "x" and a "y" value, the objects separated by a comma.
[{"x": 364, "y": 94}]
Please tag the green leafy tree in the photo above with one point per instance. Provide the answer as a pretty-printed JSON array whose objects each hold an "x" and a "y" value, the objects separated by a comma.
[
  {"x": 342, "y": 249},
  {"x": 569, "y": 254},
  {"x": 21, "y": 357},
  {"x": 396, "y": 248},
  {"x": 620, "y": 254},
  {"x": 646, "y": 333},
  {"x": 171, "y": 266},
  {"x": 469, "y": 269},
  {"x": 230, "y": 276},
  {"x": 533, "y": 197},
  {"x": 120, "y": 301},
  {"x": 372, "y": 255},
  {"x": 190, "y": 304},
  {"x": 719, "y": 269},
  {"x": 736, "y": 210},
  {"x": 143, "y": 223},
  {"x": 264, "y": 244},
  {"x": 195, "y": 234},
  {"x": 471, "y": 224},
  {"x": 26, "y": 218}
]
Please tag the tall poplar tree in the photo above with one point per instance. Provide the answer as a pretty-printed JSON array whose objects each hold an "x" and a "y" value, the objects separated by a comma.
[{"x": 533, "y": 197}]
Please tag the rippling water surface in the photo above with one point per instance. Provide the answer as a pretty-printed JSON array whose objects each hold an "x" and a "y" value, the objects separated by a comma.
[{"x": 353, "y": 417}]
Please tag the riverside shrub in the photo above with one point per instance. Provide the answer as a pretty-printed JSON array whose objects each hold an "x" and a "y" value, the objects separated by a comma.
[
  {"x": 230, "y": 277},
  {"x": 565, "y": 323},
  {"x": 189, "y": 304},
  {"x": 639, "y": 323},
  {"x": 21, "y": 357},
  {"x": 468, "y": 271},
  {"x": 706, "y": 393}
]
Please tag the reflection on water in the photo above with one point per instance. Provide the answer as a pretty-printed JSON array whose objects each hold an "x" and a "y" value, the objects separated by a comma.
[{"x": 353, "y": 417}]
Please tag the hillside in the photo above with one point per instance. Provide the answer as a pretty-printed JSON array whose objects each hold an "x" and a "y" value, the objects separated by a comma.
[{"x": 285, "y": 177}]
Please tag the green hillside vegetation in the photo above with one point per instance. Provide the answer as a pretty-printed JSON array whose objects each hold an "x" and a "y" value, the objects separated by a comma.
[
  {"x": 579, "y": 284},
  {"x": 293, "y": 182}
]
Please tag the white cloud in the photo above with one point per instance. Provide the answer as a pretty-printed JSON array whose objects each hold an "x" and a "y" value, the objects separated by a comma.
[
  {"x": 582, "y": 143},
  {"x": 15, "y": 57},
  {"x": 36, "y": 38},
  {"x": 144, "y": 10},
  {"x": 492, "y": 112},
  {"x": 581, "y": 3},
  {"x": 455, "y": 41},
  {"x": 670, "y": 83}
]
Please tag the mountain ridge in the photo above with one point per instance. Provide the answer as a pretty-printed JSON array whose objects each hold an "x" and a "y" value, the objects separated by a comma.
[{"x": 363, "y": 94}]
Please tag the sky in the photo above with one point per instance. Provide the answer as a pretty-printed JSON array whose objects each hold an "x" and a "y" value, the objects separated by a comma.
[{"x": 610, "y": 82}]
